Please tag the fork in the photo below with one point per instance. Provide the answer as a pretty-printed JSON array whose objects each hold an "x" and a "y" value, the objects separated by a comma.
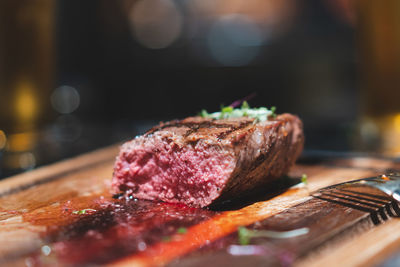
[{"x": 379, "y": 195}]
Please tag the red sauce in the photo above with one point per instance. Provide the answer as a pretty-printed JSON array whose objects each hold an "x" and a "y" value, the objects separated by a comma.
[{"x": 117, "y": 228}]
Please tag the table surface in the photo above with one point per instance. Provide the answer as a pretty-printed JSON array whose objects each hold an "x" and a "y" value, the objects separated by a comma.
[{"x": 65, "y": 214}]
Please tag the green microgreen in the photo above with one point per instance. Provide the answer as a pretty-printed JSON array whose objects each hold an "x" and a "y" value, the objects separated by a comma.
[
  {"x": 245, "y": 105},
  {"x": 182, "y": 230},
  {"x": 245, "y": 235},
  {"x": 304, "y": 178},
  {"x": 84, "y": 211},
  {"x": 260, "y": 114}
]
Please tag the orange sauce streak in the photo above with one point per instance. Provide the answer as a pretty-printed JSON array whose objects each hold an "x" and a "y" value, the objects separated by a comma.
[{"x": 213, "y": 229}]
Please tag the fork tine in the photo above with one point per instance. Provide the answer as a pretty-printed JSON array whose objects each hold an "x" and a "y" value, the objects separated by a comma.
[
  {"x": 368, "y": 204},
  {"x": 387, "y": 198},
  {"x": 361, "y": 199},
  {"x": 353, "y": 203},
  {"x": 373, "y": 213},
  {"x": 382, "y": 212},
  {"x": 349, "y": 204},
  {"x": 377, "y": 206},
  {"x": 396, "y": 208},
  {"x": 360, "y": 196},
  {"x": 389, "y": 210},
  {"x": 379, "y": 196}
]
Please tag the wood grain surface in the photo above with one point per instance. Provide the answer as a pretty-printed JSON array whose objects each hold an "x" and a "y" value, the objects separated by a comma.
[{"x": 65, "y": 214}]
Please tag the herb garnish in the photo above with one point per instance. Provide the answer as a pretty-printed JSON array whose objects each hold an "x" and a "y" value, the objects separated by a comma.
[
  {"x": 304, "y": 178},
  {"x": 182, "y": 230},
  {"x": 168, "y": 238},
  {"x": 84, "y": 211},
  {"x": 245, "y": 235},
  {"x": 260, "y": 114}
]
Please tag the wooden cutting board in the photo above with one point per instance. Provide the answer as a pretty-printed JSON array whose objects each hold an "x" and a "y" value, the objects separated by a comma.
[{"x": 64, "y": 214}]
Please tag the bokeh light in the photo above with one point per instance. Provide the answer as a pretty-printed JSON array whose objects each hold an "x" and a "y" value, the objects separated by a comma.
[
  {"x": 397, "y": 122},
  {"x": 25, "y": 105},
  {"x": 156, "y": 23},
  {"x": 268, "y": 13},
  {"x": 21, "y": 141},
  {"x": 27, "y": 161},
  {"x": 3, "y": 139},
  {"x": 369, "y": 132},
  {"x": 234, "y": 40},
  {"x": 65, "y": 99}
]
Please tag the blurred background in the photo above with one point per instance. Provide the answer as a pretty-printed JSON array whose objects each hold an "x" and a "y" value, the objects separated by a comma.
[{"x": 79, "y": 75}]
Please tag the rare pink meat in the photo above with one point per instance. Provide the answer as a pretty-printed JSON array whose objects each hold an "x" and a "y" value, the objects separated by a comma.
[{"x": 200, "y": 161}]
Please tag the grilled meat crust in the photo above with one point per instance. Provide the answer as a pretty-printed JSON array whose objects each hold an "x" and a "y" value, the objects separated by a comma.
[{"x": 260, "y": 151}]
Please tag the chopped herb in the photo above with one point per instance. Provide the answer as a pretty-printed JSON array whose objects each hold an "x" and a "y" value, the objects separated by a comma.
[
  {"x": 204, "y": 113},
  {"x": 260, "y": 114},
  {"x": 273, "y": 109},
  {"x": 227, "y": 109},
  {"x": 84, "y": 211},
  {"x": 245, "y": 105},
  {"x": 245, "y": 235},
  {"x": 182, "y": 230},
  {"x": 304, "y": 178}
]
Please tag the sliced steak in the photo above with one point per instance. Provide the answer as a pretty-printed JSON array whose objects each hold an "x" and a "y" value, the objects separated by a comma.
[{"x": 199, "y": 161}]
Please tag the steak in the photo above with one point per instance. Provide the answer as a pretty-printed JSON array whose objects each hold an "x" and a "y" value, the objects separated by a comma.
[{"x": 201, "y": 161}]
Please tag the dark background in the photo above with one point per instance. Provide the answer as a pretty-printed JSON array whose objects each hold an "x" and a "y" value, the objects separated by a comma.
[
  {"x": 310, "y": 66},
  {"x": 123, "y": 66}
]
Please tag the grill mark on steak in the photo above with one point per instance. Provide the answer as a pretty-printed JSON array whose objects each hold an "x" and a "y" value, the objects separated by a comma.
[
  {"x": 256, "y": 153},
  {"x": 232, "y": 129},
  {"x": 195, "y": 126},
  {"x": 265, "y": 160},
  {"x": 163, "y": 126}
]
